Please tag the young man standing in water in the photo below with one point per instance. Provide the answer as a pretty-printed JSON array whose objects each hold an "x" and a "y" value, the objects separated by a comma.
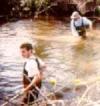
[
  {"x": 32, "y": 73},
  {"x": 79, "y": 24}
]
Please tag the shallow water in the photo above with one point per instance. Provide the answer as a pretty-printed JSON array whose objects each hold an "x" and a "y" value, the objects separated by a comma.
[{"x": 66, "y": 56}]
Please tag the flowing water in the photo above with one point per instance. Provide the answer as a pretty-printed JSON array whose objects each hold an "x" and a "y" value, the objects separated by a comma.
[{"x": 67, "y": 57}]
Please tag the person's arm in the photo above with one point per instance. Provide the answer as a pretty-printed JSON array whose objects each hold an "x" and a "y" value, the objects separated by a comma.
[
  {"x": 73, "y": 29},
  {"x": 88, "y": 22},
  {"x": 35, "y": 80}
]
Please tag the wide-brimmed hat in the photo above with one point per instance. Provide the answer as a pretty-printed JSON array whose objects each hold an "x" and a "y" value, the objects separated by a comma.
[{"x": 75, "y": 14}]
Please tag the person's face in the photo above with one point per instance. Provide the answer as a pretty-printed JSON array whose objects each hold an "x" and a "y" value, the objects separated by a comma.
[
  {"x": 76, "y": 17},
  {"x": 25, "y": 53}
]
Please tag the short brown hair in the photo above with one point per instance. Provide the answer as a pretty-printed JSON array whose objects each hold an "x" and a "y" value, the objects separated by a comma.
[{"x": 27, "y": 46}]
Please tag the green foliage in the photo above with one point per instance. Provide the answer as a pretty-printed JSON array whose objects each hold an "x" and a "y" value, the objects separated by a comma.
[
  {"x": 97, "y": 11},
  {"x": 37, "y": 3},
  {"x": 27, "y": 2}
]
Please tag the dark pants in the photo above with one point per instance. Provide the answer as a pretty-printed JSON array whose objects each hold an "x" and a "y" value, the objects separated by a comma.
[
  {"x": 32, "y": 94},
  {"x": 82, "y": 33}
]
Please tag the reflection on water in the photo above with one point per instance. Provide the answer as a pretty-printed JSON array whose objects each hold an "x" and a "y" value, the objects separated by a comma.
[
  {"x": 40, "y": 47},
  {"x": 83, "y": 58},
  {"x": 67, "y": 57}
]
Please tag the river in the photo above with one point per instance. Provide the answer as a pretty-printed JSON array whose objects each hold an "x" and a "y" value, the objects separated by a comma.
[{"x": 67, "y": 57}]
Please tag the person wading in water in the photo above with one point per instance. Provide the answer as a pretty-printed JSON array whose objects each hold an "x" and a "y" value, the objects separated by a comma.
[
  {"x": 32, "y": 73},
  {"x": 79, "y": 24}
]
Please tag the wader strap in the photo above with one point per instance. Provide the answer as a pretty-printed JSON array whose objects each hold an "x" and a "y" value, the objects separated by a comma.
[
  {"x": 25, "y": 72},
  {"x": 24, "y": 65},
  {"x": 82, "y": 23},
  {"x": 38, "y": 64}
]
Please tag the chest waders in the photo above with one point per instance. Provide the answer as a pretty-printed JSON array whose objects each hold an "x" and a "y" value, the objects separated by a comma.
[
  {"x": 33, "y": 94},
  {"x": 81, "y": 29}
]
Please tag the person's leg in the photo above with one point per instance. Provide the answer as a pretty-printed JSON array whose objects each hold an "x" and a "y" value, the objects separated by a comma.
[
  {"x": 33, "y": 93},
  {"x": 28, "y": 98},
  {"x": 25, "y": 96},
  {"x": 82, "y": 33},
  {"x": 24, "y": 100}
]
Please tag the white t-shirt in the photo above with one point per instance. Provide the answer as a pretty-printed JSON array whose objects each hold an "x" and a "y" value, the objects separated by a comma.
[
  {"x": 32, "y": 66},
  {"x": 78, "y": 23}
]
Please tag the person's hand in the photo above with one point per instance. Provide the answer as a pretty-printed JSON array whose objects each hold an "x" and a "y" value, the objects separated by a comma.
[{"x": 23, "y": 91}]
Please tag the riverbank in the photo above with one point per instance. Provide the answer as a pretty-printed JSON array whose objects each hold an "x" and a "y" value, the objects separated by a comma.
[{"x": 13, "y": 10}]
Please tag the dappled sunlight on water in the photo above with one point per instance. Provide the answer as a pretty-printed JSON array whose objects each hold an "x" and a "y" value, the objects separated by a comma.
[{"x": 66, "y": 56}]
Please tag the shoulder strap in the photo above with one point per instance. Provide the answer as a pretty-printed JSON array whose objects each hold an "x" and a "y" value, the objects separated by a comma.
[
  {"x": 82, "y": 22},
  {"x": 24, "y": 71},
  {"x": 25, "y": 64},
  {"x": 38, "y": 63}
]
